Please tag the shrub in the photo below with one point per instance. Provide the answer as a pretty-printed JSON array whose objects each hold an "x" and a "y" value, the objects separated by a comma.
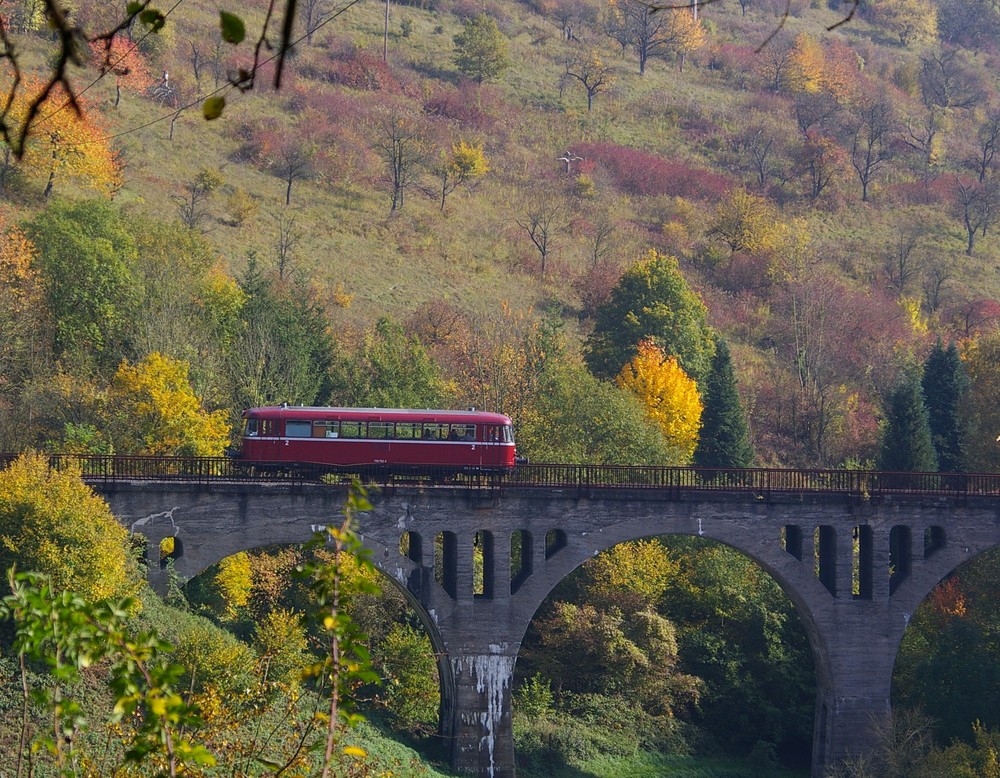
[{"x": 638, "y": 172}]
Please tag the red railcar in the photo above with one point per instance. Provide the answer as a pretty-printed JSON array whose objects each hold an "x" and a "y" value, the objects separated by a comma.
[{"x": 364, "y": 439}]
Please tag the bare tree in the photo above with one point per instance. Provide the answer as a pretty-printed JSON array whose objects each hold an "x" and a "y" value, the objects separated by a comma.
[
  {"x": 937, "y": 277},
  {"x": 922, "y": 135},
  {"x": 870, "y": 133},
  {"x": 976, "y": 206},
  {"x": 946, "y": 83},
  {"x": 988, "y": 138},
  {"x": 901, "y": 263},
  {"x": 399, "y": 140},
  {"x": 294, "y": 161},
  {"x": 540, "y": 223},
  {"x": 287, "y": 241},
  {"x": 595, "y": 76}
]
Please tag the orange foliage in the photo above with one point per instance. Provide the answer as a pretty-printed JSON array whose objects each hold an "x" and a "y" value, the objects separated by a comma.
[
  {"x": 66, "y": 146},
  {"x": 123, "y": 59},
  {"x": 20, "y": 288},
  {"x": 948, "y": 599}
]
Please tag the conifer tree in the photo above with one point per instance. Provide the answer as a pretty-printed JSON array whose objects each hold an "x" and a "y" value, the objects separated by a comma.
[
  {"x": 725, "y": 436},
  {"x": 906, "y": 436},
  {"x": 945, "y": 385}
]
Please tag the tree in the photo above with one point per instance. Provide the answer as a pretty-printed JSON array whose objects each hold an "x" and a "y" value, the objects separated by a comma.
[
  {"x": 946, "y": 83},
  {"x": 86, "y": 258},
  {"x": 281, "y": 348},
  {"x": 977, "y": 206},
  {"x": 684, "y": 35},
  {"x": 123, "y": 59},
  {"x": 870, "y": 130},
  {"x": 806, "y": 68},
  {"x": 652, "y": 300},
  {"x": 906, "y": 444},
  {"x": 669, "y": 396},
  {"x": 725, "y": 437},
  {"x": 293, "y": 161},
  {"x": 463, "y": 163},
  {"x": 592, "y": 73},
  {"x": 481, "y": 50},
  {"x": 946, "y": 385},
  {"x": 746, "y": 222},
  {"x": 399, "y": 141},
  {"x": 192, "y": 205},
  {"x": 51, "y": 522},
  {"x": 69, "y": 146},
  {"x": 389, "y": 369},
  {"x": 914, "y": 21},
  {"x": 540, "y": 222},
  {"x": 580, "y": 419},
  {"x": 152, "y": 409}
]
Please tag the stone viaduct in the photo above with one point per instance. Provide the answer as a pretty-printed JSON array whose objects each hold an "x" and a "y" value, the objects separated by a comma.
[{"x": 855, "y": 568}]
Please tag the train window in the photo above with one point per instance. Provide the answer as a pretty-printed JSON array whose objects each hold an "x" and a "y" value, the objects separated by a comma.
[
  {"x": 407, "y": 431},
  {"x": 298, "y": 429},
  {"x": 507, "y": 433},
  {"x": 268, "y": 428},
  {"x": 435, "y": 432},
  {"x": 253, "y": 428},
  {"x": 352, "y": 429},
  {"x": 380, "y": 430},
  {"x": 462, "y": 432},
  {"x": 326, "y": 429}
]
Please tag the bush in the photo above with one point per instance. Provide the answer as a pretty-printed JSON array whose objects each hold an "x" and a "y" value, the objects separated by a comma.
[{"x": 638, "y": 172}]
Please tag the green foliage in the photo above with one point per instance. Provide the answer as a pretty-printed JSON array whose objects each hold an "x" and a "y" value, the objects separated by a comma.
[
  {"x": 67, "y": 633},
  {"x": 724, "y": 440},
  {"x": 345, "y": 663},
  {"x": 282, "y": 350},
  {"x": 652, "y": 300},
  {"x": 481, "y": 50},
  {"x": 51, "y": 522},
  {"x": 578, "y": 418},
  {"x": 390, "y": 369},
  {"x": 906, "y": 435},
  {"x": 406, "y": 663},
  {"x": 945, "y": 386},
  {"x": 87, "y": 257}
]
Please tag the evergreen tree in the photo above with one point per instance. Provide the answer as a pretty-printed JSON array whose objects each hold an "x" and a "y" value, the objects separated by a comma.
[
  {"x": 481, "y": 50},
  {"x": 906, "y": 437},
  {"x": 725, "y": 436},
  {"x": 945, "y": 385}
]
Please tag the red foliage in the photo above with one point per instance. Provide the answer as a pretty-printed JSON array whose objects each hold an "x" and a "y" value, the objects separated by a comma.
[
  {"x": 638, "y": 172},
  {"x": 594, "y": 284},
  {"x": 347, "y": 65},
  {"x": 469, "y": 104},
  {"x": 972, "y": 316}
]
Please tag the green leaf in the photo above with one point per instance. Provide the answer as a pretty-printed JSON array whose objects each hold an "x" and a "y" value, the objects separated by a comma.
[
  {"x": 212, "y": 107},
  {"x": 233, "y": 29}
]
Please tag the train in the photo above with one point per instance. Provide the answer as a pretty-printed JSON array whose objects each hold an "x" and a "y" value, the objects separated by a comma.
[{"x": 318, "y": 440}]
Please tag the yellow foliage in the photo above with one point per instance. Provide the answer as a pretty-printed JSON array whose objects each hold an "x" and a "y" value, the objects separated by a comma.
[
  {"x": 64, "y": 145},
  {"x": 914, "y": 21},
  {"x": 670, "y": 397},
  {"x": 747, "y": 222},
  {"x": 157, "y": 412},
  {"x": 234, "y": 581},
  {"x": 20, "y": 287},
  {"x": 806, "y": 65},
  {"x": 911, "y": 305},
  {"x": 468, "y": 161},
  {"x": 51, "y": 522},
  {"x": 640, "y": 567}
]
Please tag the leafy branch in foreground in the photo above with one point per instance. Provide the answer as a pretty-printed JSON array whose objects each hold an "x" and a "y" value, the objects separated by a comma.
[
  {"x": 346, "y": 662},
  {"x": 67, "y": 634}
]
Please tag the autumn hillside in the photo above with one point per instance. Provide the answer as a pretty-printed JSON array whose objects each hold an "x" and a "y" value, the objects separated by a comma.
[{"x": 830, "y": 195}]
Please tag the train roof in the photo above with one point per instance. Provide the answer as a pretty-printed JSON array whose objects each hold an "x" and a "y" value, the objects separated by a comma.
[{"x": 376, "y": 414}]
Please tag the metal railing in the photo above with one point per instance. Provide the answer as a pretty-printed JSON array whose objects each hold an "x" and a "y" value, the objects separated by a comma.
[{"x": 99, "y": 470}]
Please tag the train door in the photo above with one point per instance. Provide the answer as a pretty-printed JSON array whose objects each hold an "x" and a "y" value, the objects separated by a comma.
[
  {"x": 265, "y": 434},
  {"x": 492, "y": 446}
]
